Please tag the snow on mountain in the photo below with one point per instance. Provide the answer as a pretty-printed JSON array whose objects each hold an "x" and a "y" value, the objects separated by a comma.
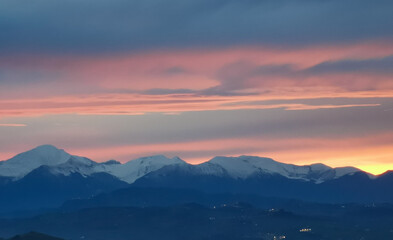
[
  {"x": 241, "y": 167},
  {"x": 25, "y": 162},
  {"x": 60, "y": 162},
  {"x": 75, "y": 164},
  {"x": 247, "y": 166},
  {"x": 342, "y": 171},
  {"x": 134, "y": 169}
]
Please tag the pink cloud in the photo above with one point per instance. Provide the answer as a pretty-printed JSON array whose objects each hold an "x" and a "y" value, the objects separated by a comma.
[
  {"x": 12, "y": 125},
  {"x": 145, "y": 70},
  {"x": 133, "y": 104},
  {"x": 120, "y": 84}
]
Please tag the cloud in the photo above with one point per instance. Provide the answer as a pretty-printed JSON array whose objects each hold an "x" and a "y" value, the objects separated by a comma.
[
  {"x": 210, "y": 77},
  {"x": 163, "y": 91},
  {"x": 336, "y": 136},
  {"x": 12, "y": 125},
  {"x": 376, "y": 65},
  {"x": 348, "y": 74},
  {"x": 197, "y": 80},
  {"x": 225, "y": 72},
  {"x": 175, "y": 70},
  {"x": 315, "y": 107},
  {"x": 119, "y": 25},
  {"x": 136, "y": 104}
]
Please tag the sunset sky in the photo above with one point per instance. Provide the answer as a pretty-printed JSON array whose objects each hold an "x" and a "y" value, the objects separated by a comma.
[{"x": 299, "y": 81}]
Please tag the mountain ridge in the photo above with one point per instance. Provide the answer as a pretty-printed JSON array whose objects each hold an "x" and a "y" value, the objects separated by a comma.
[
  {"x": 241, "y": 167},
  {"x": 51, "y": 176}
]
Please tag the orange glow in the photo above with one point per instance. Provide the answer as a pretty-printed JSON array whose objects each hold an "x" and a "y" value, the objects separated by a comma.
[
  {"x": 122, "y": 85},
  {"x": 376, "y": 169},
  {"x": 372, "y": 154}
]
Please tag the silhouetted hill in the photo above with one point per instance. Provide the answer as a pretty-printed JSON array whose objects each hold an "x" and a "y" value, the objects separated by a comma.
[
  {"x": 164, "y": 197},
  {"x": 195, "y": 222},
  {"x": 43, "y": 189},
  {"x": 34, "y": 236},
  {"x": 357, "y": 187}
]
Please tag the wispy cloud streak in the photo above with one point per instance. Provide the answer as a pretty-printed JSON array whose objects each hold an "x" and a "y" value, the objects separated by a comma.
[{"x": 12, "y": 125}]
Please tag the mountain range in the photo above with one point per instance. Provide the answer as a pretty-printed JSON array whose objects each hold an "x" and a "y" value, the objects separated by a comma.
[
  {"x": 47, "y": 177},
  {"x": 60, "y": 162}
]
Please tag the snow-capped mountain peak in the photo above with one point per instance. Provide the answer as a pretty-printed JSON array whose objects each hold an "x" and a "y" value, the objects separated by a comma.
[
  {"x": 111, "y": 162},
  {"x": 341, "y": 171},
  {"x": 134, "y": 169},
  {"x": 25, "y": 162},
  {"x": 319, "y": 167},
  {"x": 60, "y": 162},
  {"x": 75, "y": 164},
  {"x": 243, "y": 166},
  {"x": 248, "y": 166}
]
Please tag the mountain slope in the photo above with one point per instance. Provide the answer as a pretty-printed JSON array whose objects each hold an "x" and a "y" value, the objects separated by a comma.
[
  {"x": 353, "y": 187},
  {"x": 41, "y": 189},
  {"x": 132, "y": 170},
  {"x": 46, "y": 177},
  {"x": 242, "y": 167},
  {"x": 45, "y": 155},
  {"x": 63, "y": 163},
  {"x": 23, "y": 163},
  {"x": 249, "y": 166}
]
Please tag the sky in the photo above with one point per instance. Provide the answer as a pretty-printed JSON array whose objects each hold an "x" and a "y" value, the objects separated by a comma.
[{"x": 300, "y": 81}]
